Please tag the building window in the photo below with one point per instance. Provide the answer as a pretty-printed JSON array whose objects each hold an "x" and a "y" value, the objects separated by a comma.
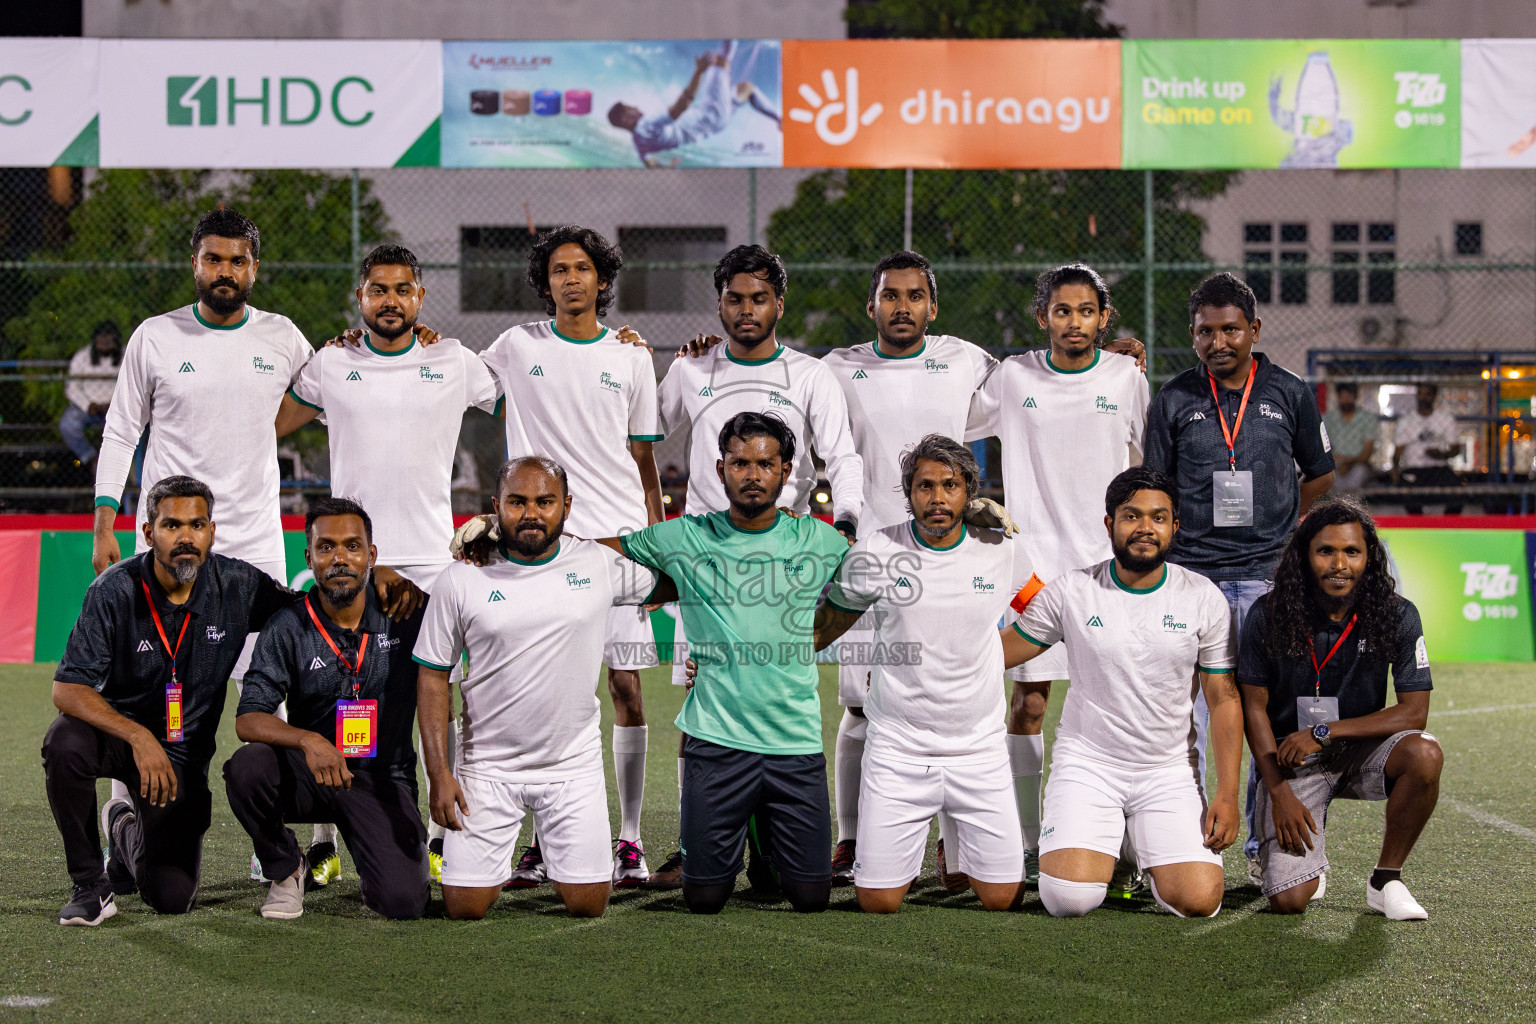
[
  {"x": 1258, "y": 274},
  {"x": 493, "y": 268},
  {"x": 682, "y": 282},
  {"x": 1469, "y": 238},
  {"x": 1261, "y": 255},
  {"x": 1371, "y": 244}
]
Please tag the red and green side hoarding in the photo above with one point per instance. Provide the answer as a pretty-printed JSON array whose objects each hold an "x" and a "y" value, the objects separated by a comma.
[{"x": 1472, "y": 586}]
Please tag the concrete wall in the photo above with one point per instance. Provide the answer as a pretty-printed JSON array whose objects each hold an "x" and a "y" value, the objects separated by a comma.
[{"x": 1320, "y": 19}]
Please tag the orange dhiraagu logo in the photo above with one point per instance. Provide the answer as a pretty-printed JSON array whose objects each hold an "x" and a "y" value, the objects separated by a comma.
[{"x": 952, "y": 103}]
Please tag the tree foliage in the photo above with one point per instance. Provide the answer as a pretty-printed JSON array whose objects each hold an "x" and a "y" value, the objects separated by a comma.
[{"x": 979, "y": 19}]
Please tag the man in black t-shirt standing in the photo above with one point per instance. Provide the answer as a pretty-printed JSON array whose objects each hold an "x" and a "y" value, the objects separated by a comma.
[
  {"x": 344, "y": 755},
  {"x": 1233, "y": 433},
  {"x": 1312, "y": 665}
]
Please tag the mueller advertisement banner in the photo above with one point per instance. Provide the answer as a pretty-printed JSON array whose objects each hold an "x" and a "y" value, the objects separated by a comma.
[
  {"x": 646, "y": 103},
  {"x": 1235, "y": 103},
  {"x": 952, "y": 103},
  {"x": 269, "y": 103},
  {"x": 1472, "y": 591},
  {"x": 1498, "y": 103},
  {"x": 48, "y": 102}
]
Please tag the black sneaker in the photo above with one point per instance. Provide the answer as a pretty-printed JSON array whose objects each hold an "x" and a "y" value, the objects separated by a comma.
[
  {"x": 529, "y": 873},
  {"x": 119, "y": 876},
  {"x": 843, "y": 857},
  {"x": 324, "y": 863},
  {"x": 90, "y": 905},
  {"x": 669, "y": 875}
]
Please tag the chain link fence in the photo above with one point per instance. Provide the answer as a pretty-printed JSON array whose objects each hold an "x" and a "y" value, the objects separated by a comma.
[{"x": 1390, "y": 278}]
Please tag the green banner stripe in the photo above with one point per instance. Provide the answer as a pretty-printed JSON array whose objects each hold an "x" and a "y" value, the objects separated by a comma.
[
  {"x": 85, "y": 151},
  {"x": 427, "y": 150}
]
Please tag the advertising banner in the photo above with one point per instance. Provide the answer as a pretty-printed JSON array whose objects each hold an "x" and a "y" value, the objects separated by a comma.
[
  {"x": 1236, "y": 103},
  {"x": 1498, "y": 103},
  {"x": 18, "y": 594},
  {"x": 647, "y": 103},
  {"x": 1471, "y": 589},
  {"x": 269, "y": 103},
  {"x": 48, "y": 96},
  {"x": 952, "y": 103}
]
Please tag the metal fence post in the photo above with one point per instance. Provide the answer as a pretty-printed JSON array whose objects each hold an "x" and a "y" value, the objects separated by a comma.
[
  {"x": 1149, "y": 257},
  {"x": 751, "y": 205},
  {"x": 357, "y": 223},
  {"x": 906, "y": 214}
]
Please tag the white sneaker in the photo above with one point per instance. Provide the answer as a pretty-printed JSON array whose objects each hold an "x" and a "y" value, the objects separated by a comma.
[
  {"x": 285, "y": 900},
  {"x": 1395, "y": 901},
  {"x": 1322, "y": 888}
]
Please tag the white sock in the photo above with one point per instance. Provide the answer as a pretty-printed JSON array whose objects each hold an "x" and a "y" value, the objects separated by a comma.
[
  {"x": 325, "y": 832},
  {"x": 1026, "y": 759},
  {"x": 629, "y": 743},
  {"x": 848, "y": 772}
]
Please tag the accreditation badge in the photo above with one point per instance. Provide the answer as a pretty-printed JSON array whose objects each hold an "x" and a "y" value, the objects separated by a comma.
[
  {"x": 173, "y": 712},
  {"x": 1312, "y": 711},
  {"x": 357, "y": 728},
  {"x": 1232, "y": 497}
]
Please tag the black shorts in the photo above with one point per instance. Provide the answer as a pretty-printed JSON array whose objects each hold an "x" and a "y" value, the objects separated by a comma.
[{"x": 724, "y": 787}]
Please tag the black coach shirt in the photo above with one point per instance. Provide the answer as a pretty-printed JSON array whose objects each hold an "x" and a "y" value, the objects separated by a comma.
[
  {"x": 1357, "y": 678},
  {"x": 294, "y": 663},
  {"x": 1281, "y": 430},
  {"x": 116, "y": 650}
]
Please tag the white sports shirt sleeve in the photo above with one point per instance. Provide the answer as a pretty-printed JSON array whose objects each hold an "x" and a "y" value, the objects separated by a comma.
[{"x": 833, "y": 441}]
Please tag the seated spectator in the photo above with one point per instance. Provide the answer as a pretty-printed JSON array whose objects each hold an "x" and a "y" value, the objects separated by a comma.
[
  {"x": 672, "y": 476},
  {"x": 1426, "y": 442},
  {"x": 88, "y": 389},
  {"x": 1352, "y": 430}
]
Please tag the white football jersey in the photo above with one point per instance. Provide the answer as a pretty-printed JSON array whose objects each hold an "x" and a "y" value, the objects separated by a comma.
[
  {"x": 534, "y": 633},
  {"x": 394, "y": 420},
  {"x": 936, "y": 688},
  {"x": 1134, "y": 656},
  {"x": 698, "y": 395},
  {"x": 580, "y": 403},
  {"x": 895, "y": 401},
  {"x": 209, "y": 395}
]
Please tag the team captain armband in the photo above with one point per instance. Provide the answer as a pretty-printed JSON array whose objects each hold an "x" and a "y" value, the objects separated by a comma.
[{"x": 1027, "y": 593}]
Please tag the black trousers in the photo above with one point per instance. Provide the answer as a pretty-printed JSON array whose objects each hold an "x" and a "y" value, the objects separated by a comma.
[
  {"x": 270, "y": 786},
  {"x": 163, "y": 846}
]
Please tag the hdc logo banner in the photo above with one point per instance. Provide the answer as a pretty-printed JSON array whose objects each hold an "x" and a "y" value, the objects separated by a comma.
[
  {"x": 952, "y": 103},
  {"x": 269, "y": 103},
  {"x": 48, "y": 102}
]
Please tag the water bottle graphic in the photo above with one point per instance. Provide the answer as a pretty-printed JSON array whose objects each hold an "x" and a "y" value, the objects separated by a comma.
[
  {"x": 546, "y": 102},
  {"x": 1317, "y": 130},
  {"x": 484, "y": 101},
  {"x": 516, "y": 102},
  {"x": 578, "y": 101}
]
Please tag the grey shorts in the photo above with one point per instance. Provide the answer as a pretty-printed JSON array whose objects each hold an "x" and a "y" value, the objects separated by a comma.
[{"x": 1351, "y": 771}]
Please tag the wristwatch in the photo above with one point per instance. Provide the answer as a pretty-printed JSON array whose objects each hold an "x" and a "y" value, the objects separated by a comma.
[{"x": 1322, "y": 734}]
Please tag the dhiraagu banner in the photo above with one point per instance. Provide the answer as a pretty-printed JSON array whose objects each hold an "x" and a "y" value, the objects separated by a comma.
[
  {"x": 1471, "y": 589},
  {"x": 1230, "y": 103}
]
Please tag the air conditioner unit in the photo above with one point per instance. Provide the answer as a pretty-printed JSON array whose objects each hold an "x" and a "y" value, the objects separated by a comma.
[{"x": 1384, "y": 328}]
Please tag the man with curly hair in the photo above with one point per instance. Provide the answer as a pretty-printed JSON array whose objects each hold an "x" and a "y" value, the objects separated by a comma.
[
  {"x": 577, "y": 394},
  {"x": 1312, "y": 666}
]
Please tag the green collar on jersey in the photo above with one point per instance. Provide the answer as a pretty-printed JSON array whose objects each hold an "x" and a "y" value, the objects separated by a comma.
[
  {"x": 368, "y": 340},
  {"x": 917, "y": 535},
  {"x": 602, "y": 332},
  {"x": 1096, "y": 354},
  {"x": 1115, "y": 575},
  {"x": 501, "y": 545},
  {"x": 221, "y": 327},
  {"x": 910, "y": 355},
  {"x": 752, "y": 362},
  {"x": 751, "y": 533}
]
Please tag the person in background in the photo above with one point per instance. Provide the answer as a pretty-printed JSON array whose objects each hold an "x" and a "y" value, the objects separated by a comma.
[
  {"x": 1352, "y": 431},
  {"x": 1426, "y": 441},
  {"x": 88, "y": 389}
]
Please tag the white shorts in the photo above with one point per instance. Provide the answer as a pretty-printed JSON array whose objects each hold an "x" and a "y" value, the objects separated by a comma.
[
  {"x": 279, "y": 572},
  {"x": 897, "y": 800},
  {"x": 573, "y": 830},
  {"x": 1089, "y": 803},
  {"x": 629, "y": 644}
]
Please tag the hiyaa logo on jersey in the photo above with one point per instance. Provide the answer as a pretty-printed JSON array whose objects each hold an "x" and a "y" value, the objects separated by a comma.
[
  {"x": 386, "y": 641},
  {"x": 607, "y": 381},
  {"x": 1172, "y": 625},
  {"x": 1104, "y": 407},
  {"x": 576, "y": 581},
  {"x": 934, "y": 366},
  {"x": 262, "y": 366},
  {"x": 774, "y": 398},
  {"x": 793, "y": 569},
  {"x": 979, "y": 585},
  {"x": 426, "y": 374},
  {"x": 213, "y": 634},
  {"x": 194, "y": 100}
]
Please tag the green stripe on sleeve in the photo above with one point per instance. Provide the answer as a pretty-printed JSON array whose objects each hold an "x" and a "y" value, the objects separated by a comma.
[
  {"x": 430, "y": 664},
  {"x": 104, "y": 500},
  {"x": 295, "y": 396},
  {"x": 1216, "y": 671},
  {"x": 1026, "y": 636},
  {"x": 647, "y": 437}
]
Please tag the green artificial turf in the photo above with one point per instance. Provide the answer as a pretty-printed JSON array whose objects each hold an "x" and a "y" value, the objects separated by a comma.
[{"x": 941, "y": 959}]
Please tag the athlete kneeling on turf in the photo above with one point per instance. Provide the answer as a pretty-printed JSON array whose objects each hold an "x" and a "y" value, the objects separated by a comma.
[
  {"x": 1313, "y": 670},
  {"x": 1137, "y": 630},
  {"x": 935, "y": 704},
  {"x": 533, "y": 621}
]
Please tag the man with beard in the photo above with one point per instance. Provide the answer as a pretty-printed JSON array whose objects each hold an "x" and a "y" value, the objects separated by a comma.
[
  {"x": 1138, "y": 630},
  {"x": 532, "y": 622},
  {"x": 749, "y": 578},
  {"x": 344, "y": 755},
  {"x": 1313, "y": 670},
  {"x": 1070, "y": 418},
  {"x": 140, "y": 690},
  {"x": 935, "y": 707}
]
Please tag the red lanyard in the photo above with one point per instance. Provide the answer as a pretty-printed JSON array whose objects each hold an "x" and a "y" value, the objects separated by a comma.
[
  {"x": 1318, "y": 669},
  {"x": 185, "y": 622},
  {"x": 362, "y": 649},
  {"x": 1231, "y": 435}
]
